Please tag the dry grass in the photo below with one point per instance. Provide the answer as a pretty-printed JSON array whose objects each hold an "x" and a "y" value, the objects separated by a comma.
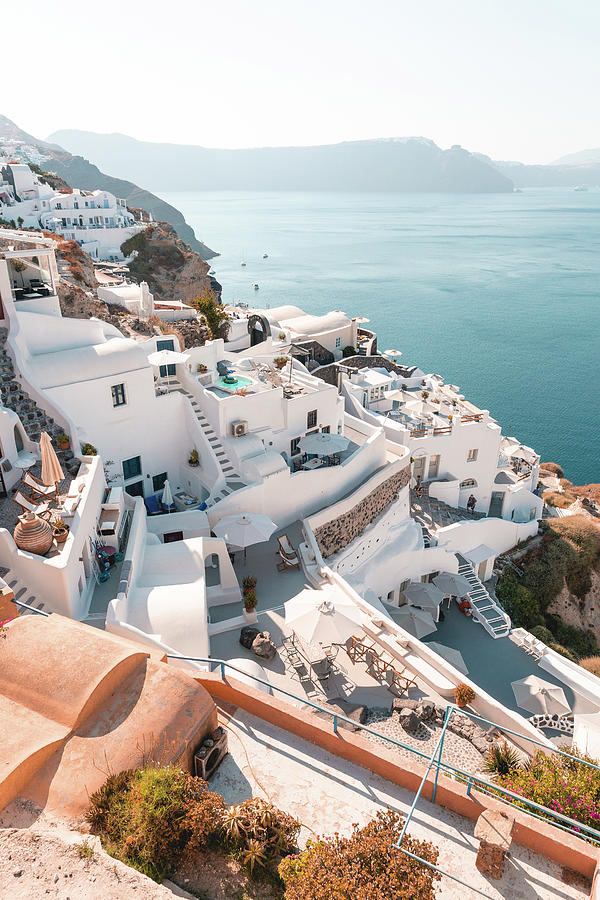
[
  {"x": 592, "y": 664},
  {"x": 553, "y": 468}
]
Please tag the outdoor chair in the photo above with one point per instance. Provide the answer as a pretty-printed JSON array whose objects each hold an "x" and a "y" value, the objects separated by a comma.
[
  {"x": 41, "y": 509},
  {"x": 152, "y": 506},
  {"x": 288, "y": 555},
  {"x": 38, "y": 487}
]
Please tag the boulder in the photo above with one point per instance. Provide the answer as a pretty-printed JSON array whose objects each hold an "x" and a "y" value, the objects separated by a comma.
[
  {"x": 263, "y": 646},
  {"x": 426, "y": 710},
  {"x": 400, "y": 703},
  {"x": 247, "y": 635},
  {"x": 409, "y": 720}
]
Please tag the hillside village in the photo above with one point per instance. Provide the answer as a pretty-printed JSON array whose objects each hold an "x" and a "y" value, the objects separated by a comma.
[{"x": 241, "y": 529}]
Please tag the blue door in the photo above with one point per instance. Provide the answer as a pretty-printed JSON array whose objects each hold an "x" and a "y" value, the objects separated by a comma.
[{"x": 166, "y": 345}]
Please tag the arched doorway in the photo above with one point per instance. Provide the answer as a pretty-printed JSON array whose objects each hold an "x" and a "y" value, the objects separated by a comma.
[
  {"x": 258, "y": 329},
  {"x": 18, "y": 439}
]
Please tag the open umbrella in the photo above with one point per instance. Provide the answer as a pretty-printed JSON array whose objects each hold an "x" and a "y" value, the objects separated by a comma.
[
  {"x": 392, "y": 352},
  {"x": 325, "y": 616},
  {"x": 167, "y": 495},
  {"x": 323, "y": 444},
  {"x": 245, "y": 529},
  {"x": 423, "y": 594},
  {"x": 167, "y": 358},
  {"x": 51, "y": 470},
  {"x": 453, "y": 656},
  {"x": 539, "y": 696},
  {"x": 451, "y": 583},
  {"x": 417, "y": 622}
]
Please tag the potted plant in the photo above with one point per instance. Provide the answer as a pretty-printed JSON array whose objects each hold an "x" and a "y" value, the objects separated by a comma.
[
  {"x": 63, "y": 441},
  {"x": 450, "y": 417},
  {"x": 281, "y": 335},
  {"x": 250, "y": 601},
  {"x": 241, "y": 392},
  {"x": 280, "y": 361},
  {"x": 193, "y": 458},
  {"x": 202, "y": 368},
  {"x": 463, "y": 695},
  {"x": 60, "y": 530},
  {"x": 88, "y": 449},
  {"x": 424, "y": 394}
]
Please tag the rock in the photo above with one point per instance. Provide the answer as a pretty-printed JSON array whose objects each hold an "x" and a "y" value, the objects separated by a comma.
[
  {"x": 426, "y": 710},
  {"x": 400, "y": 703},
  {"x": 263, "y": 646},
  {"x": 17, "y": 873},
  {"x": 480, "y": 744},
  {"x": 247, "y": 635},
  {"x": 409, "y": 720}
]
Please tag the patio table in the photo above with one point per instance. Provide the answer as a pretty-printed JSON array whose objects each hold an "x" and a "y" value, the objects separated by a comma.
[
  {"x": 315, "y": 463},
  {"x": 185, "y": 501},
  {"x": 33, "y": 296}
]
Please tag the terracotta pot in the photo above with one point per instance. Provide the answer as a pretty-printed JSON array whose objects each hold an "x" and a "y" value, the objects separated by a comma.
[
  {"x": 60, "y": 535},
  {"x": 33, "y": 534},
  {"x": 64, "y": 445}
]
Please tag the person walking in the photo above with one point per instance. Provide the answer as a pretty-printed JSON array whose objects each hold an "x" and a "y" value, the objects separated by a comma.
[
  {"x": 471, "y": 504},
  {"x": 418, "y": 486}
]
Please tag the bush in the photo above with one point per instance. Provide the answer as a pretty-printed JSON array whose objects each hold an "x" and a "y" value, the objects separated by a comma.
[
  {"x": 217, "y": 320},
  {"x": 552, "y": 467},
  {"x": 519, "y": 603},
  {"x": 501, "y": 759},
  {"x": 567, "y": 786},
  {"x": 348, "y": 351},
  {"x": 543, "y": 634},
  {"x": 591, "y": 664},
  {"x": 463, "y": 694},
  {"x": 365, "y": 865},
  {"x": 88, "y": 450},
  {"x": 145, "y": 817},
  {"x": 259, "y": 832}
]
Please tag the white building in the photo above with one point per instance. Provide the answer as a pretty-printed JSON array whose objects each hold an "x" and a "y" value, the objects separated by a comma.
[{"x": 97, "y": 220}]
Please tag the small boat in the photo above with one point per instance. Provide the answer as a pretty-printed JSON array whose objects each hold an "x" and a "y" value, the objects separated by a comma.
[
  {"x": 243, "y": 263},
  {"x": 211, "y": 272},
  {"x": 255, "y": 287},
  {"x": 581, "y": 187},
  {"x": 265, "y": 255}
]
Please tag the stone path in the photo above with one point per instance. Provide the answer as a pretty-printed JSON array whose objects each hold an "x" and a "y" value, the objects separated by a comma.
[
  {"x": 434, "y": 514},
  {"x": 457, "y": 751}
]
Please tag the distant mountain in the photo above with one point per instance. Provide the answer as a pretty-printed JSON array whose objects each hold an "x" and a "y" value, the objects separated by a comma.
[
  {"x": 555, "y": 175},
  {"x": 394, "y": 164},
  {"x": 78, "y": 172},
  {"x": 583, "y": 158}
]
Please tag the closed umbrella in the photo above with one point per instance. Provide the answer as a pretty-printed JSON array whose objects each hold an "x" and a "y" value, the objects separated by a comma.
[
  {"x": 417, "y": 622},
  {"x": 451, "y": 583},
  {"x": 323, "y": 444},
  {"x": 453, "y": 656},
  {"x": 539, "y": 696},
  {"x": 325, "y": 616},
  {"x": 245, "y": 529},
  {"x": 423, "y": 594},
  {"x": 167, "y": 495},
  {"x": 51, "y": 470}
]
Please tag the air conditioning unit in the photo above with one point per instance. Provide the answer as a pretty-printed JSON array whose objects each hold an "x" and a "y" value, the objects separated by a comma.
[
  {"x": 210, "y": 754},
  {"x": 239, "y": 428}
]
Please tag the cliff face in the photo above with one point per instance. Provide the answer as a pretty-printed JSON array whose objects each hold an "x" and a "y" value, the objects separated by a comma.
[{"x": 173, "y": 271}]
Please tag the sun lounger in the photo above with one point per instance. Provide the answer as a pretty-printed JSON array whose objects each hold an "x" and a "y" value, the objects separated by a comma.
[
  {"x": 38, "y": 487},
  {"x": 152, "y": 505},
  {"x": 40, "y": 509},
  {"x": 69, "y": 506},
  {"x": 289, "y": 556}
]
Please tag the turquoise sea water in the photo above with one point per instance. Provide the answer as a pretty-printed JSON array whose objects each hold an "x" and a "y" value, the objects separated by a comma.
[{"x": 499, "y": 293}]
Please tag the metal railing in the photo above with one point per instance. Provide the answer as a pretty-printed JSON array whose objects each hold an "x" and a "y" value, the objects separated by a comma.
[{"x": 19, "y": 603}]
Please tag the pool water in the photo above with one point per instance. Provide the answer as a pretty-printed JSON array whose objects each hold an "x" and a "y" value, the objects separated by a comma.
[{"x": 238, "y": 382}]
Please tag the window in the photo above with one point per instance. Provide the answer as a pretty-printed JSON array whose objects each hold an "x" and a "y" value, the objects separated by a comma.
[
  {"x": 136, "y": 489},
  {"x": 472, "y": 455},
  {"x": 18, "y": 438},
  {"x": 311, "y": 418},
  {"x": 326, "y": 429},
  {"x": 468, "y": 483},
  {"x": 158, "y": 482},
  {"x": 294, "y": 448},
  {"x": 118, "y": 395},
  {"x": 338, "y": 342},
  {"x": 132, "y": 467},
  {"x": 58, "y": 206}
]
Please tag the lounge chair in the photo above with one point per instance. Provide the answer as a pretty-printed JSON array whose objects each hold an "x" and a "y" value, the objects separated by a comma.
[
  {"x": 38, "y": 487},
  {"x": 289, "y": 557},
  {"x": 152, "y": 505},
  {"x": 40, "y": 509}
]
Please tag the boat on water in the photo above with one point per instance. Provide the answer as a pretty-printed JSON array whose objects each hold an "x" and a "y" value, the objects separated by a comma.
[
  {"x": 255, "y": 287},
  {"x": 265, "y": 255},
  {"x": 243, "y": 262},
  {"x": 581, "y": 187},
  {"x": 211, "y": 271}
]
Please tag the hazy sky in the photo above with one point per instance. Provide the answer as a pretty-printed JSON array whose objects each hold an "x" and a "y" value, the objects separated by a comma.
[{"x": 516, "y": 79}]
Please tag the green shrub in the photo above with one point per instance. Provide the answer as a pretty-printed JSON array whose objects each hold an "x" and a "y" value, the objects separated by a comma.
[
  {"x": 348, "y": 351},
  {"x": 501, "y": 759},
  {"x": 543, "y": 634},
  {"x": 259, "y": 832},
  {"x": 365, "y": 865},
  {"x": 519, "y": 602},
  {"x": 561, "y": 784}
]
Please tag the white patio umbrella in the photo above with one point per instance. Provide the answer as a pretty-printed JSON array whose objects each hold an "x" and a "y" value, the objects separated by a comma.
[
  {"x": 451, "y": 583},
  {"x": 167, "y": 358},
  {"x": 539, "y": 696},
  {"x": 392, "y": 352},
  {"x": 167, "y": 495},
  {"x": 417, "y": 622},
  {"x": 323, "y": 616},
  {"x": 423, "y": 594},
  {"x": 416, "y": 408},
  {"x": 51, "y": 470},
  {"x": 361, "y": 320},
  {"x": 245, "y": 529},
  {"x": 323, "y": 444},
  {"x": 453, "y": 656}
]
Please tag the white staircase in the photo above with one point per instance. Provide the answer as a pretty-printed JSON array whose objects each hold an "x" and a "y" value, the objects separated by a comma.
[
  {"x": 227, "y": 467},
  {"x": 23, "y": 594},
  {"x": 485, "y": 609}
]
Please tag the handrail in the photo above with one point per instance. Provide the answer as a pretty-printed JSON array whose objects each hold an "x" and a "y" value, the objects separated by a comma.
[
  {"x": 472, "y": 781},
  {"x": 40, "y": 612}
]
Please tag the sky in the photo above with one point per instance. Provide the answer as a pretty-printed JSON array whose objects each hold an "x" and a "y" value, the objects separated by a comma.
[{"x": 516, "y": 79}]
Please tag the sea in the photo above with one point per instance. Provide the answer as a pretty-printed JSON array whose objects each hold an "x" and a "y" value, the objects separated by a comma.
[{"x": 498, "y": 293}]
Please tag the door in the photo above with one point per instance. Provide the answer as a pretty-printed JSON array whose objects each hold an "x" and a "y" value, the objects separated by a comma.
[
  {"x": 166, "y": 345},
  {"x": 434, "y": 466},
  {"x": 419, "y": 467},
  {"x": 496, "y": 504},
  {"x": 481, "y": 570}
]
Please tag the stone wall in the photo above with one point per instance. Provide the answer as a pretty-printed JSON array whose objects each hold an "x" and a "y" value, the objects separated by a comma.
[{"x": 341, "y": 531}]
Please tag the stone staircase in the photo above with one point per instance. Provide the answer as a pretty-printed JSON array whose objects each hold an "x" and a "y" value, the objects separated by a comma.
[
  {"x": 33, "y": 418},
  {"x": 227, "y": 467},
  {"x": 486, "y": 610},
  {"x": 22, "y": 593}
]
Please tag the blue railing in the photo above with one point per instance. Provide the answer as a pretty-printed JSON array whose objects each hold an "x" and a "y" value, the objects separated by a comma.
[
  {"x": 19, "y": 603},
  {"x": 473, "y": 782}
]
